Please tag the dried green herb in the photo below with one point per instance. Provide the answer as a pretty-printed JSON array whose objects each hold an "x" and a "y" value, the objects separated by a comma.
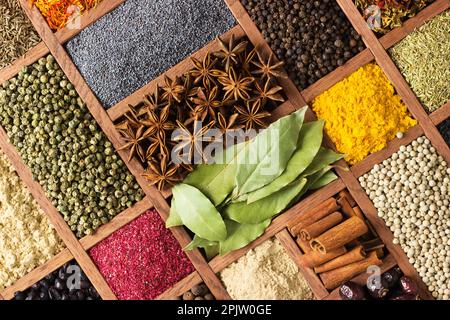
[
  {"x": 17, "y": 34},
  {"x": 423, "y": 58}
]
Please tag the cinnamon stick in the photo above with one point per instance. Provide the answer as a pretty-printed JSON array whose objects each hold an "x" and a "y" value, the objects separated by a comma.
[
  {"x": 356, "y": 254},
  {"x": 358, "y": 212},
  {"x": 334, "y": 278},
  {"x": 346, "y": 208},
  {"x": 304, "y": 245},
  {"x": 322, "y": 210},
  {"x": 314, "y": 259},
  {"x": 319, "y": 227},
  {"x": 340, "y": 235},
  {"x": 346, "y": 194}
]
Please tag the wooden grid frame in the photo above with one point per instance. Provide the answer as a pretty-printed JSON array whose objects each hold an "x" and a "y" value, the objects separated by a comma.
[{"x": 207, "y": 272}]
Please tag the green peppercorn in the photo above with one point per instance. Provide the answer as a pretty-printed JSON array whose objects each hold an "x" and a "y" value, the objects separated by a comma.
[{"x": 64, "y": 147}]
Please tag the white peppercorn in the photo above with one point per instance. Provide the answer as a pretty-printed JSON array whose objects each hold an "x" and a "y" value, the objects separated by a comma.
[{"x": 410, "y": 191}]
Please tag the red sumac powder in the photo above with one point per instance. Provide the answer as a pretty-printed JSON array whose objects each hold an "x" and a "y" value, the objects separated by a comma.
[{"x": 141, "y": 260}]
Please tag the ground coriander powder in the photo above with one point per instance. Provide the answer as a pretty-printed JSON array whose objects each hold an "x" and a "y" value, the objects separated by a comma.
[
  {"x": 27, "y": 239},
  {"x": 265, "y": 273}
]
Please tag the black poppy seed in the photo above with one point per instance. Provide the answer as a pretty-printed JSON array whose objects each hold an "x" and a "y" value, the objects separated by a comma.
[{"x": 157, "y": 33}]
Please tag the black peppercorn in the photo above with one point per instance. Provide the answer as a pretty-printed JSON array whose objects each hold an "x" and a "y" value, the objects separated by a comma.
[{"x": 313, "y": 37}]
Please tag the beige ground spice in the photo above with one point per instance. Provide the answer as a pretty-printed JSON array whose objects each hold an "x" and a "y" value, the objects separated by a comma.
[
  {"x": 27, "y": 239},
  {"x": 265, "y": 273}
]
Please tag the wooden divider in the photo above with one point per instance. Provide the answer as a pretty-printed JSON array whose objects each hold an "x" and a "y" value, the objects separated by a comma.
[
  {"x": 365, "y": 166},
  {"x": 441, "y": 114},
  {"x": 181, "y": 287},
  {"x": 397, "y": 34},
  {"x": 63, "y": 35},
  {"x": 220, "y": 262},
  {"x": 102, "y": 118},
  {"x": 55, "y": 218},
  {"x": 384, "y": 61},
  {"x": 117, "y": 111}
]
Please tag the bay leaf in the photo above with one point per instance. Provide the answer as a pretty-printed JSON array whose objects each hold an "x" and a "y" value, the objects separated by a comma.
[
  {"x": 327, "y": 178},
  {"x": 311, "y": 180},
  {"x": 198, "y": 213},
  {"x": 268, "y": 154},
  {"x": 174, "y": 219},
  {"x": 216, "y": 181},
  {"x": 265, "y": 208},
  {"x": 239, "y": 235},
  {"x": 198, "y": 242},
  {"x": 322, "y": 159},
  {"x": 211, "y": 251},
  {"x": 308, "y": 145}
]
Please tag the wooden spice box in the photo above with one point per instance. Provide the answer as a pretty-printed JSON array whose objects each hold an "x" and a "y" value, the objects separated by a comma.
[{"x": 207, "y": 272}]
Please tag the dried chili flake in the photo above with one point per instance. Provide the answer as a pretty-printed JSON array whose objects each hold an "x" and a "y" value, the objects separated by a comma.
[
  {"x": 59, "y": 12},
  {"x": 391, "y": 13},
  {"x": 141, "y": 260}
]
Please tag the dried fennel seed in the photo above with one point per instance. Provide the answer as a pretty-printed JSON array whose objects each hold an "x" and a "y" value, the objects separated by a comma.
[
  {"x": 423, "y": 57},
  {"x": 17, "y": 34}
]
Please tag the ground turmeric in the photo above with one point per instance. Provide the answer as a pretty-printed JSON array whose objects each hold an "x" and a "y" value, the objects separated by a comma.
[{"x": 362, "y": 113}]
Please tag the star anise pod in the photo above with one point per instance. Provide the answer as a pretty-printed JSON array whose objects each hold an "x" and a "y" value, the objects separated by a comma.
[
  {"x": 229, "y": 53},
  {"x": 161, "y": 173},
  {"x": 153, "y": 101},
  {"x": 192, "y": 141},
  {"x": 157, "y": 123},
  {"x": 236, "y": 86},
  {"x": 204, "y": 71},
  {"x": 133, "y": 140},
  {"x": 268, "y": 69},
  {"x": 269, "y": 91},
  {"x": 252, "y": 116},
  {"x": 151, "y": 149},
  {"x": 131, "y": 118},
  {"x": 224, "y": 124},
  {"x": 172, "y": 90},
  {"x": 246, "y": 61},
  {"x": 206, "y": 103}
]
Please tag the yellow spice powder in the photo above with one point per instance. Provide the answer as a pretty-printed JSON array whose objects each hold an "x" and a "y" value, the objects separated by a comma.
[
  {"x": 362, "y": 113},
  {"x": 27, "y": 239}
]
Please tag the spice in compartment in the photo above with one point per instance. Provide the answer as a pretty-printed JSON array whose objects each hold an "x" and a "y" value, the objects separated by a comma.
[
  {"x": 17, "y": 34},
  {"x": 337, "y": 241},
  {"x": 230, "y": 89},
  {"x": 58, "y": 13},
  {"x": 423, "y": 58},
  {"x": 410, "y": 191},
  {"x": 384, "y": 15},
  {"x": 27, "y": 239},
  {"x": 312, "y": 37},
  {"x": 151, "y": 256},
  {"x": 362, "y": 113},
  {"x": 67, "y": 283},
  {"x": 140, "y": 40},
  {"x": 265, "y": 273},
  {"x": 64, "y": 147}
]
